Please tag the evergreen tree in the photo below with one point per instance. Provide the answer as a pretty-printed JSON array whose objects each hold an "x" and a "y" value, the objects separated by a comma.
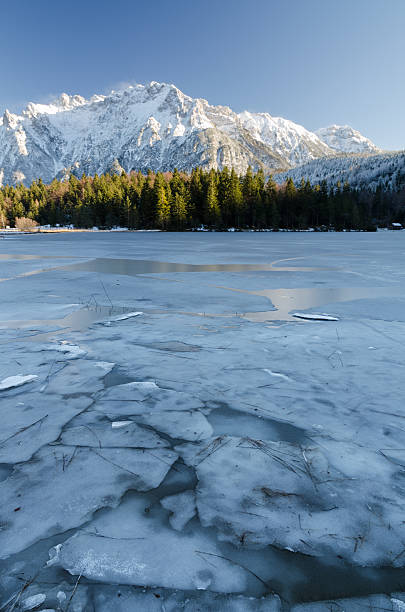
[
  {"x": 236, "y": 199},
  {"x": 248, "y": 192},
  {"x": 162, "y": 202},
  {"x": 178, "y": 212},
  {"x": 216, "y": 198},
  {"x": 212, "y": 205}
]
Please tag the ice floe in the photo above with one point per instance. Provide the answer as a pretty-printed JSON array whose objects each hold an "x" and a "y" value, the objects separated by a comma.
[
  {"x": 65, "y": 486},
  {"x": 16, "y": 381},
  {"x": 70, "y": 350},
  {"x": 137, "y": 398},
  {"x": 314, "y": 317},
  {"x": 80, "y": 376},
  {"x": 191, "y": 425},
  {"x": 33, "y": 602},
  {"x": 28, "y": 425},
  {"x": 262, "y": 492},
  {"x": 372, "y": 603},
  {"x": 128, "y": 315},
  {"x": 129, "y": 435},
  {"x": 123, "y": 599},
  {"x": 127, "y": 546},
  {"x": 183, "y": 508}
]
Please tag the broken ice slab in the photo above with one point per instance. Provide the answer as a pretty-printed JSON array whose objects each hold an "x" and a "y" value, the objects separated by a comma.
[
  {"x": 80, "y": 376},
  {"x": 51, "y": 597},
  {"x": 16, "y": 381},
  {"x": 300, "y": 499},
  {"x": 118, "y": 424},
  {"x": 34, "y": 601},
  {"x": 124, "y": 317},
  {"x": 33, "y": 420},
  {"x": 62, "y": 487},
  {"x": 71, "y": 351},
  {"x": 183, "y": 508},
  {"x": 192, "y": 426},
  {"x": 136, "y": 398},
  {"x": 314, "y": 316},
  {"x": 371, "y": 603},
  {"x": 128, "y": 546},
  {"x": 123, "y": 599},
  {"x": 107, "y": 434}
]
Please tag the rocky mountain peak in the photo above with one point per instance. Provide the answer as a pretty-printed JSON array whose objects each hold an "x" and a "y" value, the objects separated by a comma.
[{"x": 153, "y": 126}]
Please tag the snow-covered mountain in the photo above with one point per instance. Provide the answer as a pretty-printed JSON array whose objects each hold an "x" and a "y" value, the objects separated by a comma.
[
  {"x": 287, "y": 139},
  {"x": 152, "y": 126},
  {"x": 385, "y": 170},
  {"x": 345, "y": 139}
]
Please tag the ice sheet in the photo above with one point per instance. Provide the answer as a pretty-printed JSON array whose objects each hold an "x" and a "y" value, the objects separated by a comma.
[
  {"x": 129, "y": 547},
  {"x": 292, "y": 432}
]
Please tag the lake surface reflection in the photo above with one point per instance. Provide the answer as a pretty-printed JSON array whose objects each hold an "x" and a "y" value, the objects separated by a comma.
[
  {"x": 288, "y": 301},
  {"x": 133, "y": 267}
]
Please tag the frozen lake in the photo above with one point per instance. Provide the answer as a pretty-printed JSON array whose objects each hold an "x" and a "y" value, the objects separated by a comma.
[{"x": 174, "y": 438}]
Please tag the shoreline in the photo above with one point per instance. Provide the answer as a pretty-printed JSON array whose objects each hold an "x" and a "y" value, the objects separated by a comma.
[{"x": 13, "y": 232}]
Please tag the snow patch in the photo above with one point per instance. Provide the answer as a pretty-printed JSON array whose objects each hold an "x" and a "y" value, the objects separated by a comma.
[
  {"x": 129, "y": 315},
  {"x": 16, "y": 381}
]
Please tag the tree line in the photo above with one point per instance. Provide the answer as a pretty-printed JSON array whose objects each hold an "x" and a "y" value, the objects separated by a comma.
[{"x": 217, "y": 199}]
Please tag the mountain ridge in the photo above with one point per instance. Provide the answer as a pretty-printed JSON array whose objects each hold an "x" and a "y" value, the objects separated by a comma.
[{"x": 154, "y": 126}]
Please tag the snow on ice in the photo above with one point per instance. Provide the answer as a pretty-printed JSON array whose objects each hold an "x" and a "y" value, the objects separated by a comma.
[{"x": 16, "y": 381}]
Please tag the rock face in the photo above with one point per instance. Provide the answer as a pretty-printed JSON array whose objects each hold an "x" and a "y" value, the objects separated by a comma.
[{"x": 152, "y": 126}]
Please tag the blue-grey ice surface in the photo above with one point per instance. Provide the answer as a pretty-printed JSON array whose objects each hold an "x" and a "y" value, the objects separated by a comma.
[{"x": 174, "y": 438}]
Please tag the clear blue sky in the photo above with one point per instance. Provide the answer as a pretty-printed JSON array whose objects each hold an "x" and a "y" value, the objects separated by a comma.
[{"x": 315, "y": 62}]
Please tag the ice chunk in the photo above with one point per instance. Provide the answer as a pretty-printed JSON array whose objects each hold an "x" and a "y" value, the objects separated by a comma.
[
  {"x": 70, "y": 350},
  {"x": 104, "y": 435},
  {"x": 16, "y": 381},
  {"x": 191, "y": 426},
  {"x": 149, "y": 467},
  {"x": 372, "y": 603},
  {"x": 397, "y": 605},
  {"x": 28, "y": 425},
  {"x": 296, "y": 498},
  {"x": 80, "y": 376},
  {"x": 314, "y": 316},
  {"x": 182, "y": 506},
  {"x": 277, "y": 374},
  {"x": 118, "y": 424},
  {"x": 62, "y": 487},
  {"x": 130, "y": 547},
  {"x": 129, "y": 315},
  {"x": 123, "y": 599},
  {"x": 136, "y": 398},
  {"x": 60, "y": 596},
  {"x": 33, "y": 602}
]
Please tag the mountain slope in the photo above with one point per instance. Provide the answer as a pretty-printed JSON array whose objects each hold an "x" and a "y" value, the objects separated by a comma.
[
  {"x": 143, "y": 127},
  {"x": 286, "y": 138},
  {"x": 385, "y": 170},
  {"x": 345, "y": 139},
  {"x": 154, "y": 126}
]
